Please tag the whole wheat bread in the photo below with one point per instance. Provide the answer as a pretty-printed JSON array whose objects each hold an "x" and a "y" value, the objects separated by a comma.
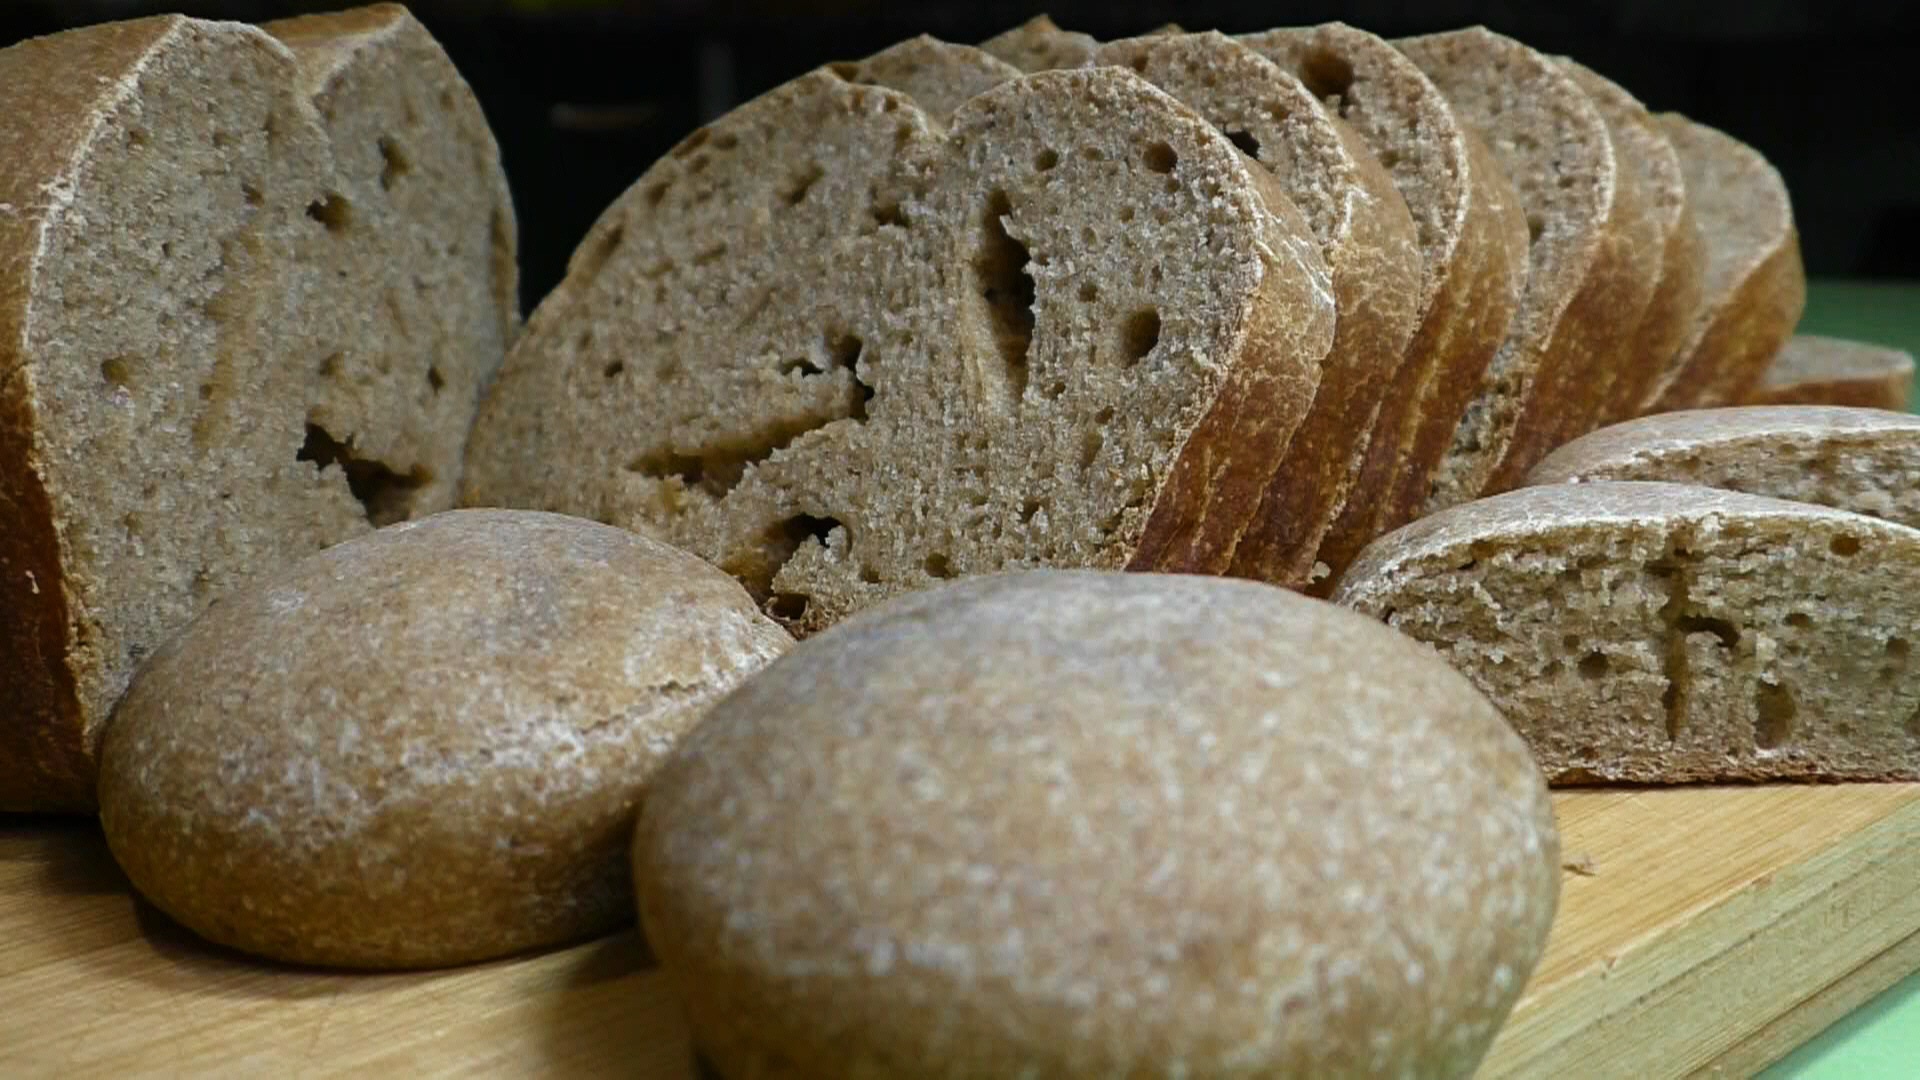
[
  {"x": 1472, "y": 235},
  {"x": 258, "y": 291},
  {"x": 1366, "y": 236},
  {"x": 1039, "y": 44},
  {"x": 1815, "y": 370},
  {"x": 1673, "y": 298},
  {"x": 1067, "y": 331},
  {"x": 1549, "y": 377},
  {"x": 937, "y": 75},
  {"x": 1863, "y": 460},
  {"x": 1755, "y": 286},
  {"x": 1653, "y": 633}
]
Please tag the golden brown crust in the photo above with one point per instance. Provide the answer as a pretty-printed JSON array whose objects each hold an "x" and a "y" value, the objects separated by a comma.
[
  {"x": 1730, "y": 356},
  {"x": 50, "y": 91},
  {"x": 1815, "y": 370}
]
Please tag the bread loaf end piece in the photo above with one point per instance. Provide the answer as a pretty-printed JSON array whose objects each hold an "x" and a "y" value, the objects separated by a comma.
[
  {"x": 1549, "y": 376},
  {"x": 1815, "y": 370},
  {"x": 1039, "y": 44},
  {"x": 938, "y": 75},
  {"x": 1755, "y": 284},
  {"x": 1660, "y": 633},
  {"x": 1863, "y": 460}
]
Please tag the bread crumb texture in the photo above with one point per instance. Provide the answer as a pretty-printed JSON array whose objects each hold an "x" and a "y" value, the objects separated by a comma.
[
  {"x": 424, "y": 746},
  {"x": 1070, "y": 823},
  {"x": 1655, "y": 632}
]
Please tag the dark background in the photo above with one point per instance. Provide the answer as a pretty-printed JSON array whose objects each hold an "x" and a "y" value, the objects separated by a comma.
[{"x": 584, "y": 94}]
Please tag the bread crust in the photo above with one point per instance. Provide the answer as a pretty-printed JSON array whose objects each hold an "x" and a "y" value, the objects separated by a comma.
[
  {"x": 1815, "y": 370},
  {"x": 1039, "y": 44}
]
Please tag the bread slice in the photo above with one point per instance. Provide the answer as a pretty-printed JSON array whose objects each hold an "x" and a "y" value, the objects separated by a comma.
[
  {"x": 1814, "y": 370},
  {"x": 1068, "y": 330},
  {"x": 1040, "y": 45},
  {"x": 1656, "y": 633},
  {"x": 1755, "y": 286},
  {"x": 937, "y": 75},
  {"x": 1367, "y": 239},
  {"x": 1673, "y": 293},
  {"x": 1863, "y": 460},
  {"x": 1548, "y": 379},
  {"x": 1472, "y": 237},
  {"x": 226, "y": 342}
]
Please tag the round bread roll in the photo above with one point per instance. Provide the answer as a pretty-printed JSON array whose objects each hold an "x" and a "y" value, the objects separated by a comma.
[
  {"x": 1074, "y": 824},
  {"x": 424, "y": 746}
]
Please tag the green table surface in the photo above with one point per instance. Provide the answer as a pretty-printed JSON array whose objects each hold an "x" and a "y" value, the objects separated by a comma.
[{"x": 1879, "y": 1040}]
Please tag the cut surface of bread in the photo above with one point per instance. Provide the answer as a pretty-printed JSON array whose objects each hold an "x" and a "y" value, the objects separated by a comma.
[
  {"x": 240, "y": 329},
  {"x": 1755, "y": 286},
  {"x": 1653, "y": 633},
  {"x": 1815, "y": 370},
  {"x": 1472, "y": 237},
  {"x": 1863, "y": 460},
  {"x": 937, "y": 75},
  {"x": 1548, "y": 378},
  {"x": 1367, "y": 239},
  {"x": 1039, "y": 44},
  {"x": 1673, "y": 294},
  {"x": 1068, "y": 330}
]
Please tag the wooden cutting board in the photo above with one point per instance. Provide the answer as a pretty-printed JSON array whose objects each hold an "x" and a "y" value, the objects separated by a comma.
[{"x": 1701, "y": 931}]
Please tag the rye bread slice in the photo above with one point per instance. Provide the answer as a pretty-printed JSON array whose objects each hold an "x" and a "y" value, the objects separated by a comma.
[
  {"x": 1659, "y": 633},
  {"x": 1367, "y": 239},
  {"x": 1067, "y": 330},
  {"x": 937, "y": 75},
  {"x": 1548, "y": 379},
  {"x": 1673, "y": 293},
  {"x": 226, "y": 342},
  {"x": 1755, "y": 285},
  {"x": 1472, "y": 236},
  {"x": 1863, "y": 460},
  {"x": 1815, "y": 370},
  {"x": 1040, "y": 45}
]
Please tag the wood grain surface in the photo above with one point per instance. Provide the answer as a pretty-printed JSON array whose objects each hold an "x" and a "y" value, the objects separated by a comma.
[{"x": 1707, "y": 931}]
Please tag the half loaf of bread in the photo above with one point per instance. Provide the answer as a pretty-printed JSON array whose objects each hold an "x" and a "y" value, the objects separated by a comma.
[
  {"x": 260, "y": 280},
  {"x": 1070, "y": 330},
  {"x": 1815, "y": 370},
  {"x": 1652, "y": 632}
]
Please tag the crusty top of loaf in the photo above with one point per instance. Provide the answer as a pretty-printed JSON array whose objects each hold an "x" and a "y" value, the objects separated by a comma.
[
  {"x": 1102, "y": 824},
  {"x": 1039, "y": 44},
  {"x": 938, "y": 75},
  {"x": 1691, "y": 431}
]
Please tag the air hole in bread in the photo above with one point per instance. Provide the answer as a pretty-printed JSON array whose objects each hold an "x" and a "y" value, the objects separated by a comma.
[
  {"x": 1536, "y": 225},
  {"x": 1387, "y": 156},
  {"x": 788, "y": 607},
  {"x": 334, "y": 211},
  {"x": 844, "y": 349},
  {"x": 1046, "y": 159},
  {"x": 1030, "y": 508},
  {"x": 726, "y": 140},
  {"x": 1089, "y": 292},
  {"x": 1773, "y": 713},
  {"x": 904, "y": 133},
  {"x": 802, "y": 182},
  {"x": 937, "y": 565},
  {"x": 385, "y": 496},
  {"x": 1799, "y": 620},
  {"x": 1126, "y": 214},
  {"x": 1159, "y": 157},
  {"x": 845, "y": 71},
  {"x": 1140, "y": 334},
  {"x": 222, "y": 140},
  {"x": 869, "y": 575},
  {"x": 1594, "y": 666},
  {"x": 1005, "y": 289},
  {"x": 1329, "y": 77},
  {"x": 435, "y": 381},
  {"x": 1248, "y": 145},
  {"x": 275, "y": 128},
  {"x": 394, "y": 163},
  {"x": 1054, "y": 389},
  {"x": 137, "y": 137},
  {"x": 711, "y": 254},
  {"x": 888, "y": 214},
  {"x": 1898, "y": 648},
  {"x": 613, "y": 369},
  {"x": 330, "y": 365},
  {"x": 804, "y": 365},
  {"x": 656, "y": 192},
  {"x": 1844, "y": 546},
  {"x": 1727, "y": 632},
  {"x": 1092, "y": 153},
  {"x": 692, "y": 142},
  {"x": 252, "y": 193},
  {"x": 698, "y": 164},
  {"x": 601, "y": 251},
  {"x": 117, "y": 371},
  {"x": 1091, "y": 442}
]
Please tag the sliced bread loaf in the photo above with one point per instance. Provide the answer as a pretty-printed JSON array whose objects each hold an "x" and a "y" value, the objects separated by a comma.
[
  {"x": 1864, "y": 460},
  {"x": 937, "y": 75},
  {"x": 1672, "y": 294},
  {"x": 1367, "y": 239},
  {"x": 1653, "y": 633},
  {"x": 1548, "y": 378},
  {"x": 1755, "y": 286},
  {"x": 1040, "y": 45},
  {"x": 1067, "y": 331},
  {"x": 257, "y": 293},
  {"x": 1815, "y": 370},
  {"x": 1472, "y": 236}
]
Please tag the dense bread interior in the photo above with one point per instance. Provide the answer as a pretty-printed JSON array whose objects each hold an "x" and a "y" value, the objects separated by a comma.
[
  {"x": 1030, "y": 320},
  {"x": 1553, "y": 146},
  {"x": 1655, "y": 632}
]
